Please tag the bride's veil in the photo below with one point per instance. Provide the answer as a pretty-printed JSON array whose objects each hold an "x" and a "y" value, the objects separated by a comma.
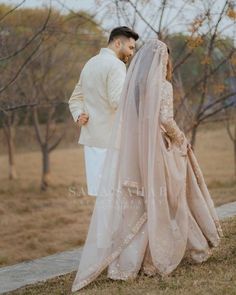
[{"x": 132, "y": 181}]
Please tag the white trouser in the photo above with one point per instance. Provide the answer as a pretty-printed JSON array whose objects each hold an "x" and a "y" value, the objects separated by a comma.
[{"x": 94, "y": 160}]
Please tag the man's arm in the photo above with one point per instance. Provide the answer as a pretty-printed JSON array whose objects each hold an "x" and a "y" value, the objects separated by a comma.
[
  {"x": 76, "y": 102},
  {"x": 115, "y": 83}
]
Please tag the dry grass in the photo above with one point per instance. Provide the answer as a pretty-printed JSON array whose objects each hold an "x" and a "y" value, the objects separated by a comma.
[
  {"x": 215, "y": 154},
  {"x": 217, "y": 276},
  {"x": 35, "y": 224}
]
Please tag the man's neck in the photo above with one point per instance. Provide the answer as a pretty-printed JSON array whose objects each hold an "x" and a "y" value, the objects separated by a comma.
[{"x": 111, "y": 48}]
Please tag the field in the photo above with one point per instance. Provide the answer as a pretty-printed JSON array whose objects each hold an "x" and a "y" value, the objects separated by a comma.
[
  {"x": 215, "y": 276},
  {"x": 35, "y": 224}
]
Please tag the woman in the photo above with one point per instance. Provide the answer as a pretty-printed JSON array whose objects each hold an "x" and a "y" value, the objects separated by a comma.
[{"x": 153, "y": 205}]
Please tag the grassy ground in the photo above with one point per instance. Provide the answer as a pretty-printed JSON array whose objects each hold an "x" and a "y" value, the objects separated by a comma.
[
  {"x": 217, "y": 276},
  {"x": 35, "y": 224}
]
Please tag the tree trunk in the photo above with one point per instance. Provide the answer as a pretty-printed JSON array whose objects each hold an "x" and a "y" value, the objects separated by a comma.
[
  {"x": 235, "y": 149},
  {"x": 9, "y": 134},
  {"x": 45, "y": 168},
  {"x": 193, "y": 135}
]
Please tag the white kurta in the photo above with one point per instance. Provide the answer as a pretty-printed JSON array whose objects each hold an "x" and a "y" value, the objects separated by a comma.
[
  {"x": 97, "y": 93},
  {"x": 94, "y": 160}
]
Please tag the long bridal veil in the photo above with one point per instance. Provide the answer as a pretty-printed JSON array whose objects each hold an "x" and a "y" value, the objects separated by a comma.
[{"x": 144, "y": 205}]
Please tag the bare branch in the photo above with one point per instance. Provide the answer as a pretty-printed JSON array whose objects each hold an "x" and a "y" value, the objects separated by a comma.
[
  {"x": 11, "y": 10},
  {"x": 142, "y": 17},
  {"x": 21, "y": 68},
  {"x": 163, "y": 6},
  {"x": 36, "y": 126},
  {"x": 219, "y": 100},
  {"x": 229, "y": 131},
  {"x": 21, "y": 106},
  {"x": 211, "y": 73},
  {"x": 28, "y": 58},
  {"x": 56, "y": 143},
  {"x": 182, "y": 61},
  {"x": 217, "y": 25},
  {"x": 215, "y": 112},
  {"x": 29, "y": 41},
  {"x": 87, "y": 19},
  {"x": 117, "y": 11},
  {"x": 135, "y": 16}
]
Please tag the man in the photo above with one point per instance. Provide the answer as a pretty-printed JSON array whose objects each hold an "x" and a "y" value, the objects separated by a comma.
[{"x": 96, "y": 98}]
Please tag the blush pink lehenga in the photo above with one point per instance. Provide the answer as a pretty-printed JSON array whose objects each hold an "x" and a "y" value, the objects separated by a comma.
[{"x": 153, "y": 205}]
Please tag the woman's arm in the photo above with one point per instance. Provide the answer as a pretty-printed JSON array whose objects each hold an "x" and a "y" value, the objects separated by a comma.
[{"x": 167, "y": 117}]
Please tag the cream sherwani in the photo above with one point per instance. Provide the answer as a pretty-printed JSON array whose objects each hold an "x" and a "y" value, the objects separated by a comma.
[{"x": 98, "y": 94}]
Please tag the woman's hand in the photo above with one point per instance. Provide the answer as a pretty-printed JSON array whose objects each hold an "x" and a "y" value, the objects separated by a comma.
[{"x": 189, "y": 146}]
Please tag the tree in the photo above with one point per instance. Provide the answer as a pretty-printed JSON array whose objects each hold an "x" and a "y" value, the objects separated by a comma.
[
  {"x": 231, "y": 130},
  {"x": 30, "y": 41},
  {"x": 201, "y": 93},
  {"x": 17, "y": 49},
  {"x": 45, "y": 83}
]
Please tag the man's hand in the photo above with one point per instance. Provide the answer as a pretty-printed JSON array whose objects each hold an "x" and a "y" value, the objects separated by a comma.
[{"x": 82, "y": 119}]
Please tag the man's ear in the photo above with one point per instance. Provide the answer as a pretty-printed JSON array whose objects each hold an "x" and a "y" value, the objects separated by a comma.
[{"x": 117, "y": 43}]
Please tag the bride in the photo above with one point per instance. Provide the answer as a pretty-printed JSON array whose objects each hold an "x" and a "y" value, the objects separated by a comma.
[{"x": 153, "y": 206}]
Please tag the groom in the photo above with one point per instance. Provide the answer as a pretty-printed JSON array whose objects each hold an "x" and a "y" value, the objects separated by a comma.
[{"x": 96, "y": 97}]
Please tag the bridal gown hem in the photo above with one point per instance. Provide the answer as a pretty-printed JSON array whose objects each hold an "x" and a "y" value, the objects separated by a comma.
[
  {"x": 99, "y": 268},
  {"x": 153, "y": 205}
]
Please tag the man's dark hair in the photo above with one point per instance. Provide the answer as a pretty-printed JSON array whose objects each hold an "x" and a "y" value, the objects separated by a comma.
[{"x": 123, "y": 31}]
